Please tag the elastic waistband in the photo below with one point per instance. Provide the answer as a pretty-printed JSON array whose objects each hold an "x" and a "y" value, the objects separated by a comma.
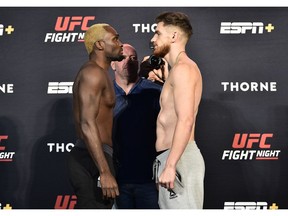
[
  {"x": 106, "y": 148},
  {"x": 189, "y": 143},
  {"x": 191, "y": 146},
  {"x": 80, "y": 143},
  {"x": 192, "y": 142},
  {"x": 160, "y": 152}
]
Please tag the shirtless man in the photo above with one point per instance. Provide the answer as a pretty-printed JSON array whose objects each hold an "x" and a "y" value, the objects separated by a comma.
[
  {"x": 181, "y": 168},
  {"x": 93, "y": 102}
]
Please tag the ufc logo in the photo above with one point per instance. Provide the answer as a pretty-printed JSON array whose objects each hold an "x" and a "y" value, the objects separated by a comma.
[
  {"x": 3, "y": 137},
  {"x": 66, "y": 202},
  {"x": 247, "y": 140},
  {"x": 69, "y": 23}
]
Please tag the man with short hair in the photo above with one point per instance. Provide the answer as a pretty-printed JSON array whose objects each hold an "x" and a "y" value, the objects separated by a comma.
[
  {"x": 134, "y": 133},
  {"x": 93, "y": 103},
  {"x": 181, "y": 166}
]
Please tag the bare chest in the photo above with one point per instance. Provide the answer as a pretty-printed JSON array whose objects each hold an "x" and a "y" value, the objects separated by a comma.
[
  {"x": 167, "y": 97},
  {"x": 108, "y": 95}
]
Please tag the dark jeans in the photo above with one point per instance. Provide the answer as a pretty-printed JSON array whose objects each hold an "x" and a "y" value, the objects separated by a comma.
[
  {"x": 137, "y": 196},
  {"x": 83, "y": 175}
]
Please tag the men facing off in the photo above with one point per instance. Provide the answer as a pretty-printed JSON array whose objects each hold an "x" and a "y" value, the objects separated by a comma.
[
  {"x": 181, "y": 166},
  {"x": 93, "y": 103}
]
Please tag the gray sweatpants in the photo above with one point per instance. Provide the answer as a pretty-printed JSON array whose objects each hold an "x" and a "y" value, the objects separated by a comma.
[{"x": 188, "y": 192}]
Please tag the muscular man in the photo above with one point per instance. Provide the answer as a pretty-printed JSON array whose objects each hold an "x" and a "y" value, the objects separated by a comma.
[
  {"x": 181, "y": 170},
  {"x": 134, "y": 133},
  {"x": 93, "y": 103}
]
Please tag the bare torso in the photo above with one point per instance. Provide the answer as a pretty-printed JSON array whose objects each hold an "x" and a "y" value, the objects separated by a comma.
[
  {"x": 105, "y": 96},
  {"x": 167, "y": 118}
]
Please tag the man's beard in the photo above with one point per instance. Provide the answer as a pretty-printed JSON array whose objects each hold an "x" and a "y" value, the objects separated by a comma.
[{"x": 162, "y": 51}]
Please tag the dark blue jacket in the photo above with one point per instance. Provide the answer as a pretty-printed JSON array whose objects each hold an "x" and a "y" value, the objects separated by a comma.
[{"x": 134, "y": 131}]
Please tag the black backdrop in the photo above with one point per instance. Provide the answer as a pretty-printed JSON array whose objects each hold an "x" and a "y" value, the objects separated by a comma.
[{"x": 243, "y": 61}]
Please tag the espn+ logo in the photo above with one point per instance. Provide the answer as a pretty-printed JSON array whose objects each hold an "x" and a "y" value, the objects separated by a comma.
[
  {"x": 249, "y": 206},
  {"x": 60, "y": 88},
  {"x": 5, "y": 207},
  {"x": 245, "y": 27},
  {"x": 8, "y": 30}
]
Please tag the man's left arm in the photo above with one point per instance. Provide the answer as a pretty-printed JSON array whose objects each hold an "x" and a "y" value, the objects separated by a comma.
[{"x": 184, "y": 82}]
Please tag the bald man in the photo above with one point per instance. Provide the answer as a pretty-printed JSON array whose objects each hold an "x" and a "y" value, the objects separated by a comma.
[
  {"x": 134, "y": 133},
  {"x": 93, "y": 103}
]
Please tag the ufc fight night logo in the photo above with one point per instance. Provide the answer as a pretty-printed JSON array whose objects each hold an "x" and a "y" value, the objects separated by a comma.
[
  {"x": 245, "y": 28},
  {"x": 5, "y": 156},
  {"x": 251, "y": 146},
  {"x": 65, "y": 28},
  {"x": 65, "y": 202}
]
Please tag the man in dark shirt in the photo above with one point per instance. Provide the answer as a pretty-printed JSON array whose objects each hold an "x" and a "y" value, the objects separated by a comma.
[{"x": 134, "y": 133}]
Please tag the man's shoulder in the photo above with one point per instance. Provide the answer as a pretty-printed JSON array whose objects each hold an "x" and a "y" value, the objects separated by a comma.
[
  {"x": 91, "y": 70},
  {"x": 184, "y": 70},
  {"x": 90, "y": 66},
  {"x": 91, "y": 75}
]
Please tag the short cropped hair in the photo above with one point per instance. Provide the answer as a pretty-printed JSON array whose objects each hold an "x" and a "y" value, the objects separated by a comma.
[
  {"x": 95, "y": 33},
  {"x": 178, "y": 19}
]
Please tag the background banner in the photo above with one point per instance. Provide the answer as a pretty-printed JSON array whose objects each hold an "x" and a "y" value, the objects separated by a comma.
[{"x": 242, "y": 126}]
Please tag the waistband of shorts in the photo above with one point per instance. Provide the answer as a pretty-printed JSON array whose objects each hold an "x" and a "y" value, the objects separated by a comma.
[
  {"x": 106, "y": 148},
  {"x": 192, "y": 142},
  {"x": 189, "y": 143},
  {"x": 80, "y": 143},
  {"x": 160, "y": 152},
  {"x": 192, "y": 145}
]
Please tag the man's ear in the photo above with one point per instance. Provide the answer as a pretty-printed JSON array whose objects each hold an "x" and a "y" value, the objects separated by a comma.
[
  {"x": 98, "y": 45},
  {"x": 175, "y": 36},
  {"x": 113, "y": 66}
]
